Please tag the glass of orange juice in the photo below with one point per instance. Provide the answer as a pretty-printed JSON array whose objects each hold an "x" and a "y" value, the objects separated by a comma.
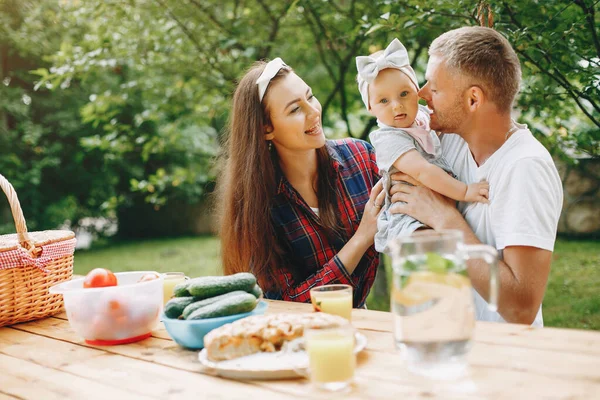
[
  {"x": 333, "y": 299},
  {"x": 331, "y": 358},
  {"x": 170, "y": 280}
]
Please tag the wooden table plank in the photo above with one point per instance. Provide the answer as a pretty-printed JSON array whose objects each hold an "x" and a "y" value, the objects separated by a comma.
[
  {"x": 148, "y": 379},
  {"x": 567, "y": 340},
  {"x": 371, "y": 322},
  {"x": 507, "y": 361},
  {"x": 491, "y": 380},
  {"x": 496, "y": 369},
  {"x": 26, "y": 379}
]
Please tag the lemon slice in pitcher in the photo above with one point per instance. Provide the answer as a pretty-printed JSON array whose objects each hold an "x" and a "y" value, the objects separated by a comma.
[
  {"x": 412, "y": 295},
  {"x": 448, "y": 279},
  {"x": 423, "y": 286}
]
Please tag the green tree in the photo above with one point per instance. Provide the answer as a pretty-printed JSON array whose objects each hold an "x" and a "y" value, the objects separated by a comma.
[
  {"x": 40, "y": 130},
  {"x": 557, "y": 43},
  {"x": 133, "y": 95}
]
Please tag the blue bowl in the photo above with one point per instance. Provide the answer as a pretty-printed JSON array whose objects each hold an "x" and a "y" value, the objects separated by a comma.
[{"x": 190, "y": 334}]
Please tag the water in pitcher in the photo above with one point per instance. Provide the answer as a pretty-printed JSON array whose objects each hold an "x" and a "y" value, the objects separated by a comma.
[{"x": 433, "y": 313}]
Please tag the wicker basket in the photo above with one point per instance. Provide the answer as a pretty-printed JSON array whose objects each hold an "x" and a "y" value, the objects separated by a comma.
[{"x": 29, "y": 264}]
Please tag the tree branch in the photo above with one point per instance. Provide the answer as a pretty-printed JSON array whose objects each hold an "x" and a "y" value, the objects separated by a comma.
[
  {"x": 367, "y": 129},
  {"x": 320, "y": 49},
  {"x": 195, "y": 43},
  {"x": 344, "y": 105},
  {"x": 418, "y": 52},
  {"x": 182, "y": 26},
  {"x": 338, "y": 8},
  {"x": 265, "y": 51},
  {"x": 324, "y": 33},
  {"x": 569, "y": 91},
  {"x": 590, "y": 19},
  {"x": 236, "y": 7},
  {"x": 358, "y": 40},
  {"x": 211, "y": 17},
  {"x": 338, "y": 85},
  {"x": 557, "y": 76},
  {"x": 267, "y": 10}
]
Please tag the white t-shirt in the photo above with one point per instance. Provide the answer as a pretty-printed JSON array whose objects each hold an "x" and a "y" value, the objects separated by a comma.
[{"x": 525, "y": 198}]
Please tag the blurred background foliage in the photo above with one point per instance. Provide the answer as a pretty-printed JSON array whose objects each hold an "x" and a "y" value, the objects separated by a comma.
[{"x": 109, "y": 106}]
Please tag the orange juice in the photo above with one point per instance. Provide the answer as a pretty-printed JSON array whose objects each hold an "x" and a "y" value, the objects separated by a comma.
[
  {"x": 171, "y": 279},
  {"x": 331, "y": 355},
  {"x": 334, "y": 302},
  {"x": 333, "y": 299}
]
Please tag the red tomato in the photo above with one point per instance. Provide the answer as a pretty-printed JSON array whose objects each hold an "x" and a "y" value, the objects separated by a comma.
[
  {"x": 116, "y": 308},
  {"x": 148, "y": 277},
  {"x": 99, "y": 277}
]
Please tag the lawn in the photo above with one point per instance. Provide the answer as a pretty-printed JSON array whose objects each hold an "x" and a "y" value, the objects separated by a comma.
[{"x": 572, "y": 297}]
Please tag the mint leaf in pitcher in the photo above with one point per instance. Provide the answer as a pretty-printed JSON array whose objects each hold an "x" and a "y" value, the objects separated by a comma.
[
  {"x": 410, "y": 266},
  {"x": 437, "y": 263}
]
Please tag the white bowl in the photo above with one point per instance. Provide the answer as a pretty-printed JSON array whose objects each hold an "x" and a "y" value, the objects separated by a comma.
[{"x": 113, "y": 315}]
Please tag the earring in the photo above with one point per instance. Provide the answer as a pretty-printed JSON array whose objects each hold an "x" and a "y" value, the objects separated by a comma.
[{"x": 270, "y": 145}]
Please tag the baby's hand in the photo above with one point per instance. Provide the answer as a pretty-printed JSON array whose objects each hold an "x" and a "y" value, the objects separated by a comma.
[{"x": 479, "y": 192}]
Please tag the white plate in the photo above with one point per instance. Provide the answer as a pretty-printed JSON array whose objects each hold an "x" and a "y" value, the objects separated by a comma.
[{"x": 279, "y": 365}]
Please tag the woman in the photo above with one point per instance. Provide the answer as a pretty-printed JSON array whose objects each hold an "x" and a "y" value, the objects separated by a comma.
[{"x": 293, "y": 208}]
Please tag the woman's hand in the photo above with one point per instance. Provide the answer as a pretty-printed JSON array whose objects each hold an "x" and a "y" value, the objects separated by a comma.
[
  {"x": 368, "y": 224},
  {"x": 422, "y": 203},
  {"x": 364, "y": 237}
]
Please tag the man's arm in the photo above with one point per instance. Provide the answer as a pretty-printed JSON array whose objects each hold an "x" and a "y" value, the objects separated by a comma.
[{"x": 523, "y": 273}]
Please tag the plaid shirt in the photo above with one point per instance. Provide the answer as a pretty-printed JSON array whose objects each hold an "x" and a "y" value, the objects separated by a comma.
[{"x": 307, "y": 246}]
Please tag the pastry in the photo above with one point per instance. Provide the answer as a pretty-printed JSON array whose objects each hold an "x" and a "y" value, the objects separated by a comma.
[{"x": 262, "y": 333}]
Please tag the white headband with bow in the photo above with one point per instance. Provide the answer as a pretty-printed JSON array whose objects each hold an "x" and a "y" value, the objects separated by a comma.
[
  {"x": 394, "y": 56},
  {"x": 271, "y": 69}
]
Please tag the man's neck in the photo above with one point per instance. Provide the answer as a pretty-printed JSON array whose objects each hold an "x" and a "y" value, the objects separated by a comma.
[{"x": 487, "y": 135}]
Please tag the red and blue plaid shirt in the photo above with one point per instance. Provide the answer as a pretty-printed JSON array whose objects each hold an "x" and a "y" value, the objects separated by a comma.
[{"x": 309, "y": 250}]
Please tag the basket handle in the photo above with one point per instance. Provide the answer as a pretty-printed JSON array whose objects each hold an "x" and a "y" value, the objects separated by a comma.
[{"x": 17, "y": 213}]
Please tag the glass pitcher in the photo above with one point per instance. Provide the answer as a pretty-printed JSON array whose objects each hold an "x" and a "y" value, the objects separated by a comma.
[{"x": 432, "y": 300}]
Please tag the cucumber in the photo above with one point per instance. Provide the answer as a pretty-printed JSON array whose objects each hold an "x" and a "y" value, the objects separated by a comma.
[
  {"x": 176, "y": 305},
  {"x": 180, "y": 290},
  {"x": 211, "y": 286},
  {"x": 240, "y": 303},
  {"x": 201, "y": 303},
  {"x": 257, "y": 292}
]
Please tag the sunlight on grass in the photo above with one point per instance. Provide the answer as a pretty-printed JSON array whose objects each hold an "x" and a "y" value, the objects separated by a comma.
[
  {"x": 573, "y": 294},
  {"x": 195, "y": 256}
]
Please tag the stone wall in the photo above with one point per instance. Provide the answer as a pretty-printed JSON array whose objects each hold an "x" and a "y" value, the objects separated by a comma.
[{"x": 581, "y": 209}]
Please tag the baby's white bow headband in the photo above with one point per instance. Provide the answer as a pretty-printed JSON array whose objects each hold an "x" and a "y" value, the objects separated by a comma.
[
  {"x": 394, "y": 56},
  {"x": 271, "y": 69}
]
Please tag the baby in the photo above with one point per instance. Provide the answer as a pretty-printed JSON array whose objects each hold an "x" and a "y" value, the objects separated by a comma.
[{"x": 388, "y": 86}]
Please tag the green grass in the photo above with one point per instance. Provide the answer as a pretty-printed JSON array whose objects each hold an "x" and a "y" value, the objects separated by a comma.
[
  {"x": 195, "y": 256},
  {"x": 573, "y": 294},
  {"x": 572, "y": 298}
]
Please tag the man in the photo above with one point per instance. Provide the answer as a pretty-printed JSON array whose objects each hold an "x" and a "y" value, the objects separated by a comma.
[{"x": 473, "y": 76}]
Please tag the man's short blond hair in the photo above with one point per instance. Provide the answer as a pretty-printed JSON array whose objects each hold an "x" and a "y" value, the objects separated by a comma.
[{"x": 486, "y": 58}]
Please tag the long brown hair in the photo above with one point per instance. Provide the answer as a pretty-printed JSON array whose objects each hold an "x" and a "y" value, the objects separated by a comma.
[{"x": 247, "y": 185}]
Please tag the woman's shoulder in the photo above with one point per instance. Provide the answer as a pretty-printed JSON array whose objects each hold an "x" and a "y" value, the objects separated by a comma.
[
  {"x": 349, "y": 148},
  {"x": 354, "y": 158}
]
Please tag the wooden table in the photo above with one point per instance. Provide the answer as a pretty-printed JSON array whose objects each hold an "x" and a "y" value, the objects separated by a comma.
[{"x": 46, "y": 360}]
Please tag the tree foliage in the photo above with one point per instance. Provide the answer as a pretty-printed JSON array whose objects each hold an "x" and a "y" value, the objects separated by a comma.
[{"x": 132, "y": 95}]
